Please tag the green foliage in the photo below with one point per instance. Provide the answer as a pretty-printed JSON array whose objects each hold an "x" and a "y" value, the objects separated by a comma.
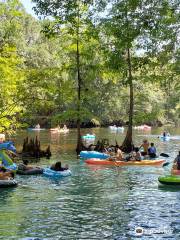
[
  {"x": 11, "y": 77},
  {"x": 38, "y": 75}
]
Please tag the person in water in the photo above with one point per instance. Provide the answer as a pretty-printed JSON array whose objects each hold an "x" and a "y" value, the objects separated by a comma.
[
  {"x": 152, "y": 151},
  {"x": 2, "y": 138},
  {"x": 166, "y": 134},
  {"x": 6, "y": 175},
  {"x": 57, "y": 167},
  {"x": 145, "y": 146},
  {"x": 64, "y": 127},
  {"x": 38, "y": 126},
  {"x": 176, "y": 164},
  {"x": 119, "y": 156},
  {"x": 136, "y": 155}
]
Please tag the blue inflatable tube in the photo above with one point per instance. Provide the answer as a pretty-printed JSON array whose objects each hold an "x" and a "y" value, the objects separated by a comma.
[
  {"x": 120, "y": 128},
  {"x": 8, "y": 146},
  {"x": 89, "y": 136},
  {"x": 36, "y": 129},
  {"x": 166, "y": 138},
  {"x": 93, "y": 154},
  {"x": 56, "y": 174}
]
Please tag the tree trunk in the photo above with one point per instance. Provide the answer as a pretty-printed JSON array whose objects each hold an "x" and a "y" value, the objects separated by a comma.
[
  {"x": 128, "y": 142},
  {"x": 79, "y": 140}
]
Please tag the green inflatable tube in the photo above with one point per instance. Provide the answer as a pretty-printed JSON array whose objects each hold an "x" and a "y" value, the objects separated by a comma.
[
  {"x": 5, "y": 159},
  {"x": 169, "y": 180}
]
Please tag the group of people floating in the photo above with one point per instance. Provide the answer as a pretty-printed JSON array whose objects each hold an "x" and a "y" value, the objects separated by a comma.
[
  {"x": 58, "y": 127},
  {"x": 138, "y": 153},
  {"x": 24, "y": 166},
  {"x": 145, "y": 150},
  {"x": 7, "y": 174}
]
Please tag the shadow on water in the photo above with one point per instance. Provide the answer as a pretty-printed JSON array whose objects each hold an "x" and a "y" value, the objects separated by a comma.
[{"x": 169, "y": 188}]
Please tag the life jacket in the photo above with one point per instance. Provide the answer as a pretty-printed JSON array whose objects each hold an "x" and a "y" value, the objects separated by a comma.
[{"x": 178, "y": 160}]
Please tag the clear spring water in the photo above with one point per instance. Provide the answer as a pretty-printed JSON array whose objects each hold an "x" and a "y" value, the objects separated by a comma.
[{"x": 95, "y": 202}]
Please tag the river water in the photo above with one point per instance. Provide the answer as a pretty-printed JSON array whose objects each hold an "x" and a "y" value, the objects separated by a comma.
[{"x": 95, "y": 202}]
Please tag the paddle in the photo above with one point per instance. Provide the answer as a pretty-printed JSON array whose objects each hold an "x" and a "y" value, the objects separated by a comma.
[
  {"x": 165, "y": 164},
  {"x": 164, "y": 155}
]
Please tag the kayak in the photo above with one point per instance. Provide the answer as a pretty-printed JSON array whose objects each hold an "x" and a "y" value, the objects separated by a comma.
[
  {"x": 93, "y": 154},
  {"x": 7, "y": 183},
  {"x": 123, "y": 163},
  {"x": 56, "y": 174},
  {"x": 89, "y": 136},
  {"x": 169, "y": 180}
]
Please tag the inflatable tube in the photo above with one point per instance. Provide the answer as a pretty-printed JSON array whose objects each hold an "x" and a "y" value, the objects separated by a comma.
[
  {"x": 169, "y": 180},
  {"x": 56, "y": 130},
  {"x": 7, "y": 183},
  {"x": 7, "y": 146},
  {"x": 36, "y": 129},
  {"x": 113, "y": 128},
  {"x": 123, "y": 163},
  {"x": 142, "y": 127},
  {"x": 64, "y": 130},
  {"x": 120, "y": 128},
  {"x": 5, "y": 159},
  {"x": 34, "y": 171},
  {"x": 93, "y": 154},
  {"x": 13, "y": 167},
  {"x": 147, "y": 128},
  {"x": 89, "y": 136},
  {"x": 166, "y": 138},
  {"x": 56, "y": 174}
]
